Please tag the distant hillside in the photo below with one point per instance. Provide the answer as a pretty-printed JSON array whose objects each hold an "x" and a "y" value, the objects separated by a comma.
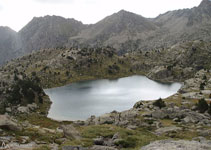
[
  {"x": 48, "y": 32},
  {"x": 116, "y": 30},
  {"x": 8, "y": 44},
  {"x": 125, "y": 31},
  {"x": 57, "y": 67}
]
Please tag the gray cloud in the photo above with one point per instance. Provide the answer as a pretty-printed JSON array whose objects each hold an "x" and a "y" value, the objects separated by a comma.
[{"x": 55, "y": 1}]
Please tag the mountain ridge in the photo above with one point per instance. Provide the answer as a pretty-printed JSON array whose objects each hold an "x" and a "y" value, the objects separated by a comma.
[{"x": 125, "y": 31}]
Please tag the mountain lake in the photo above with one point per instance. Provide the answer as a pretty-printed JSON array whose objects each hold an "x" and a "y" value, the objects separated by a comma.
[{"x": 79, "y": 101}]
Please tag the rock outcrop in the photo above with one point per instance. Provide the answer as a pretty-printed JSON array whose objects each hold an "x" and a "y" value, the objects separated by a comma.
[{"x": 178, "y": 145}]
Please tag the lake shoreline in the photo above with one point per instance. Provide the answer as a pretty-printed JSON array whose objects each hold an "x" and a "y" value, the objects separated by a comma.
[{"x": 115, "y": 87}]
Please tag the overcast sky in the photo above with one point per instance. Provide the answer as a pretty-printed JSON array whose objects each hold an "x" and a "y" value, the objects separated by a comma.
[{"x": 17, "y": 13}]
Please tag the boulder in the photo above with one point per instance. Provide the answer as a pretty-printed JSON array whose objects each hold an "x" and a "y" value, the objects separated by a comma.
[
  {"x": 205, "y": 133},
  {"x": 32, "y": 107},
  {"x": 158, "y": 114},
  {"x": 167, "y": 130},
  {"x": 96, "y": 147},
  {"x": 178, "y": 145},
  {"x": 8, "y": 123},
  {"x": 23, "y": 109},
  {"x": 73, "y": 148},
  {"x": 70, "y": 132}
]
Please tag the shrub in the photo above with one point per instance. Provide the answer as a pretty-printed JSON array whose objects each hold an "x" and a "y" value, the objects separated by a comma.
[
  {"x": 159, "y": 103},
  {"x": 202, "y": 105},
  {"x": 129, "y": 142},
  {"x": 2, "y": 108},
  {"x": 204, "y": 77},
  {"x": 34, "y": 73},
  {"x": 209, "y": 109},
  {"x": 23, "y": 92},
  {"x": 202, "y": 86}
]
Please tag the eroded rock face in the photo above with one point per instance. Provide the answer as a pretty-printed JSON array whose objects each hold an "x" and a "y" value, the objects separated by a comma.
[{"x": 178, "y": 145}]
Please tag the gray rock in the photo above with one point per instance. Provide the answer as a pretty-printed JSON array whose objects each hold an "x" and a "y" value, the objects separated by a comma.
[
  {"x": 24, "y": 139},
  {"x": 116, "y": 136},
  {"x": 32, "y": 107},
  {"x": 96, "y": 147},
  {"x": 6, "y": 139},
  {"x": 159, "y": 114},
  {"x": 205, "y": 133},
  {"x": 6, "y": 122},
  {"x": 178, "y": 145},
  {"x": 23, "y": 109},
  {"x": 8, "y": 109},
  {"x": 70, "y": 132},
  {"x": 168, "y": 129}
]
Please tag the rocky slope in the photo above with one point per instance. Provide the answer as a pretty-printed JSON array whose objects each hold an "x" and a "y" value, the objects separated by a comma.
[
  {"x": 124, "y": 31},
  {"x": 62, "y": 66},
  {"x": 48, "y": 32},
  {"x": 183, "y": 116},
  {"x": 115, "y": 30},
  {"x": 135, "y": 32},
  {"x": 39, "y": 33},
  {"x": 182, "y": 25},
  {"x": 8, "y": 44}
]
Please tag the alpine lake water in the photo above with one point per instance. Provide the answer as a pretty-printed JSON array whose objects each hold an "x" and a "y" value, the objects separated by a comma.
[{"x": 79, "y": 101}]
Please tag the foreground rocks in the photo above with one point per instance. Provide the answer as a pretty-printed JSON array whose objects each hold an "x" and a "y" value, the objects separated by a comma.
[
  {"x": 70, "y": 132},
  {"x": 7, "y": 123},
  {"x": 92, "y": 148},
  {"x": 178, "y": 145}
]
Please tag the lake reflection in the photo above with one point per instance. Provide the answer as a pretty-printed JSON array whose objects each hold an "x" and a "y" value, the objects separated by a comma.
[{"x": 78, "y": 101}]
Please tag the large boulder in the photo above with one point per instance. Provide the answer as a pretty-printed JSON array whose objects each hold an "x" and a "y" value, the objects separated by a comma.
[
  {"x": 70, "y": 132},
  {"x": 7, "y": 123},
  {"x": 178, "y": 145}
]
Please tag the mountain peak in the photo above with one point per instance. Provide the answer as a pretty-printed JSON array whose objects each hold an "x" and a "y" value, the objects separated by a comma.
[
  {"x": 123, "y": 11},
  {"x": 8, "y": 29}
]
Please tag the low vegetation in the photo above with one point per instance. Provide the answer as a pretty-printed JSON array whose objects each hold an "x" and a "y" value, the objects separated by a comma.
[{"x": 159, "y": 103}]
